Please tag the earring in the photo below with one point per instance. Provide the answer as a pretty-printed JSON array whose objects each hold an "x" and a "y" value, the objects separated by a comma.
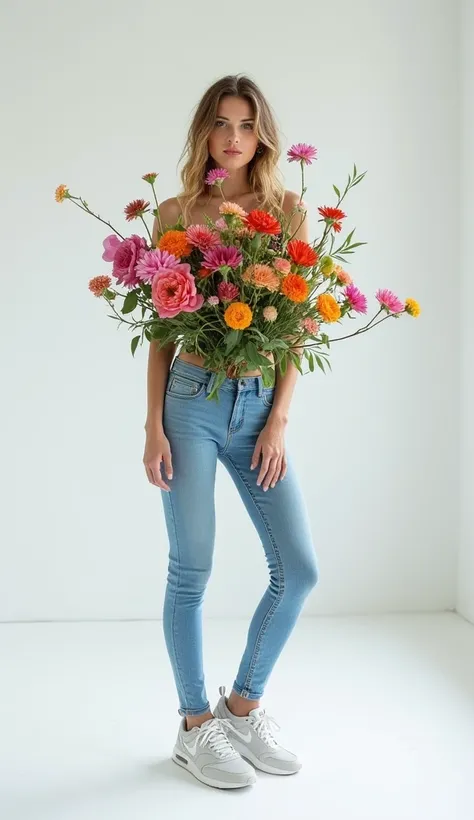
[{"x": 259, "y": 149}]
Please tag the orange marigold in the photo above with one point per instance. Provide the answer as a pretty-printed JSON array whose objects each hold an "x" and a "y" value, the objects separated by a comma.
[
  {"x": 301, "y": 253},
  {"x": 328, "y": 308},
  {"x": 262, "y": 276},
  {"x": 98, "y": 284},
  {"x": 295, "y": 287},
  {"x": 238, "y": 316},
  {"x": 175, "y": 242},
  {"x": 61, "y": 193},
  {"x": 263, "y": 222}
]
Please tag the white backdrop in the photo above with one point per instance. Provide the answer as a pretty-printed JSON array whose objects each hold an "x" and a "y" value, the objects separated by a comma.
[{"x": 98, "y": 94}]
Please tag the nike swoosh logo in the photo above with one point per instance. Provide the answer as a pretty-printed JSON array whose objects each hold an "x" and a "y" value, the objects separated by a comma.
[
  {"x": 246, "y": 738},
  {"x": 191, "y": 749}
]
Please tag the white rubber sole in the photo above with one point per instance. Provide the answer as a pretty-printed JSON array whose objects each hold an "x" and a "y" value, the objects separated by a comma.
[
  {"x": 183, "y": 760},
  {"x": 264, "y": 767}
]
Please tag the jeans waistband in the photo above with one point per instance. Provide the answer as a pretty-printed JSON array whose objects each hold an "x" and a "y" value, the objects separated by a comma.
[{"x": 254, "y": 383}]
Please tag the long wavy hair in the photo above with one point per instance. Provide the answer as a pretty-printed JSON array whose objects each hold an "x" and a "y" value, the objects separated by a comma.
[{"x": 264, "y": 175}]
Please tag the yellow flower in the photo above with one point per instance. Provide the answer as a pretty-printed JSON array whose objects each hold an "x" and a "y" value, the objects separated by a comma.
[
  {"x": 61, "y": 193},
  {"x": 238, "y": 315},
  {"x": 328, "y": 308},
  {"x": 327, "y": 265},
  {"x": 412, "y": 307}
]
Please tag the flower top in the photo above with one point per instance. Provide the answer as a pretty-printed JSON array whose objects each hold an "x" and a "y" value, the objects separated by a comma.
[
  {"x": 302, "y": 152},
  {"x": 216, "y": 176}
]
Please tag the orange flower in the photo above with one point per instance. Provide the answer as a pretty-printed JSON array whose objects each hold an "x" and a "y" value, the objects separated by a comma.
[
  {"x": 262, "y": 276},
  {"x": 98, "y": 284},
  {"x": 295, "y": 287},
  {"x": 302, "y": 253},
  {"x": 328, "y": 307},
  {"x": 238, "y": 316},
  {"x": 61, "y": 193},
  {"x": 263, "y": 222},
  {"x": 175, "y": 242},
  {"x": 203, "y": 273}
]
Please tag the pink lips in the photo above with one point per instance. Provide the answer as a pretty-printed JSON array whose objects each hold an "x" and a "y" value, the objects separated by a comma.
[{"x": 229, "y": 151}]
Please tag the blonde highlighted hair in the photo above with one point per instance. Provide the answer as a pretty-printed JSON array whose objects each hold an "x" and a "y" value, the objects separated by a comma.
[{"x": 263, "y": 173}]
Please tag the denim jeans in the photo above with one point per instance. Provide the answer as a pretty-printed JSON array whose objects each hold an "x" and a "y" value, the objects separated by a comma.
[{"x": 200, "y": 432}]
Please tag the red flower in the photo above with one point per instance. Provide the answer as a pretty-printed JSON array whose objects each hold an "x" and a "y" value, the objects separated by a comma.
[
  {"x": 301, "y": 253},
  {"x": 263, "y": 222},
  {"x": 337, "y": 227},
  {"x": 332, "y": 213},
  {"x": 135, "y": 209}
]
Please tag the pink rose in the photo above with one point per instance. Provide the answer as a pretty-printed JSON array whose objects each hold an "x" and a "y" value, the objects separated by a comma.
[
  {"x": 125, "y": 260},
  {"x": 110, "y": 243},
  {"x": 174, "y": 290}
]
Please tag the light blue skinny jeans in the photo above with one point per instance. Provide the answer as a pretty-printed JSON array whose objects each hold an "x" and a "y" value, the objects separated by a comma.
[{"x": 200, "y": 432}]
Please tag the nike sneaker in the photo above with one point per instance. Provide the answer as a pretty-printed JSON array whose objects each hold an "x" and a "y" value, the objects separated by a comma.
[
  {"x": 208, "y": 754},
  {"x": 253, "y": 737}
]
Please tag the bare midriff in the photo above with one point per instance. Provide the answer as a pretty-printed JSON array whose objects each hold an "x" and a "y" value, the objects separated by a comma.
[{"x": 193, "y": 358}]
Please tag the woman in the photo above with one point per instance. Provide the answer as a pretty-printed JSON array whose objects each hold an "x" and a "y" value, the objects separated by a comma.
[{"x": 233, "y": 128}]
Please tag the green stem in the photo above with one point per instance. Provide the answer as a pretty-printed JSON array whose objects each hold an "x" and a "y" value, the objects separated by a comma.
[
  {"x": 146, "y": 228},
  {"x": 158, "y": 215},
  {"x": 83, "y": 207}
]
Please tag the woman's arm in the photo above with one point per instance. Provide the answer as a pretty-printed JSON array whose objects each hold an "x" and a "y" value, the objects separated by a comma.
[
  {"x": 285, "y": 384},
  {"x": 270, "y": 444},
  {"x": 159, "y": 361}
]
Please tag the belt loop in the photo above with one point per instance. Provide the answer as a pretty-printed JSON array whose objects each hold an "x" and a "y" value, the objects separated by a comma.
[
  {"x": 260, "y": 386},
  {"x": 211, "y": 381}
]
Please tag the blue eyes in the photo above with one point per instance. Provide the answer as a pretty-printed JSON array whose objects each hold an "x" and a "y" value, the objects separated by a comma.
[{"x": 244, "y": 125}]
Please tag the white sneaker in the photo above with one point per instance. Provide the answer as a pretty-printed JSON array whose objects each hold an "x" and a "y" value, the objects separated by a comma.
[
  {"x": 208, "y": 754},
  {"x": 252, "y": 736}
]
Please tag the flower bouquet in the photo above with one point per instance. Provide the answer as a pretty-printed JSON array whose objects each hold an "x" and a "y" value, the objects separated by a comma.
[{"x": 241, "y": 292}]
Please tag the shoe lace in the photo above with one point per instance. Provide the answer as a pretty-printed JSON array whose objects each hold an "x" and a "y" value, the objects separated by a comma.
[
  {"x": 264, "y": 726},
  {"x": 214, "y": 734}
]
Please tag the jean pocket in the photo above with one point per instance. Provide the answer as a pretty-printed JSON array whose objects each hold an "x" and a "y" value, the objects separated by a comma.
[
  {"x": 268, "y": 394},
  {"x": 184, "y": 387}
]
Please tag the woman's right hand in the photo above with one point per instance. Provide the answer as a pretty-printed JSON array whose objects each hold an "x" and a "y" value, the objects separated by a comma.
[{"x": 157, "y": 450}]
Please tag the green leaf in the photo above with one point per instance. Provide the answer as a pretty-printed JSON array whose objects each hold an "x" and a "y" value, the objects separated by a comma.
[
  {"x": 311, "y": 362},
  {"x": 320, "y": 364},
  {"x": 134, "y": 344},
  {"x": 130, "y": 302},
  {"x": 148, "y": 334},
  {"x": 109, "y": 294},
  {"x": 232, "y": 340},
  {"x": 337, "y": 191}
]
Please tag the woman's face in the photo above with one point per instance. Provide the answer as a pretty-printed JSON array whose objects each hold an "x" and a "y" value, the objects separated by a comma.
[{"x": 233, "y": 141}]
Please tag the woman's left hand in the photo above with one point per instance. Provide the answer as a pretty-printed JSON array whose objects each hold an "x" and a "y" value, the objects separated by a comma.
[{"x": 271, "y": 447}]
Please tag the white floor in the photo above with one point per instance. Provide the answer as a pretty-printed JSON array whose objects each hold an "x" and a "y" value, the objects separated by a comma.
[{"x": 380, "y": 709}]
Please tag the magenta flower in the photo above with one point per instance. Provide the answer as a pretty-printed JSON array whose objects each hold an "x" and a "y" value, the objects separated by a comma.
[
  {"x": 389, "y": 301},
  {"x": 216, "y": 176},
  {"x": 227, "y": 291},
  {"x": 220, "y": 256},
  {"x": 110, "y": 244},
  {"x": 153, "y": 261},
  {"x": 174, "y": 290},
  {"x": 200, "y": 236},
  {"x": 302, "y": 152},
  {"x": 356, "y": 299},
  {"x": 126, "y": 257}
]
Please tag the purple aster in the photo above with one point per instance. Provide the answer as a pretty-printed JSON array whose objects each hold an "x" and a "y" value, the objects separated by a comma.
[
  {"x": 356, "y": 299},
  {"x": 302, "y": 152},
  {"x": 153, "y": 261},
  {"x": 216, "y": 258}
]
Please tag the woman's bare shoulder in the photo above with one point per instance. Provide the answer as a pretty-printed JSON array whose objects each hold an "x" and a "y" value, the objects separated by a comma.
[
  {"x": 290, "y": 200},
  {"x": 170, "y": 209}
]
